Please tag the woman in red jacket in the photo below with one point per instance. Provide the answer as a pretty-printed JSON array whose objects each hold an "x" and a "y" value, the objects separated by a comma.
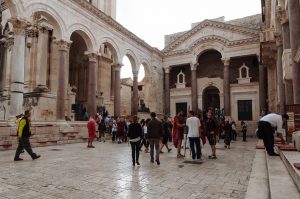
[{"x": 91, "y": 125}]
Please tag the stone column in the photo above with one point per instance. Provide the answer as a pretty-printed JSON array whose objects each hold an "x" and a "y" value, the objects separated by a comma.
[
  {"x": 117, "y": 92},
  {"x": 194, "y": 87},
  {"x": 8, "y": 46},
  {"x": 135, "y": 93},
  {"x": 42, "y": 57},
  {"x": 262, "y": 89},
  {"x": 226, "y": 87},
  {"x": 18, "y": 66},
  {"x": 294, "y": 22},
  {"x": 167, "y": 91},
  {"x": 288, "y": 84},
  {"x": 92, "y": 80},
  {"x": 281, "y": 89},
  {"x": 63, "y": 50}
]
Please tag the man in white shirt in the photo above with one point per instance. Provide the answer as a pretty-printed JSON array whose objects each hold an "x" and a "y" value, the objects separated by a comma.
[
  {"x": 267, "y": 126},
  {"x": 193, "y": 124}
]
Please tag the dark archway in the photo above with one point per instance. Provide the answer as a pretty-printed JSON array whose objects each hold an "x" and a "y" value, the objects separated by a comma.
[
  {"x": 211, "y": 98},
  {"x": 78, "y": 74}
]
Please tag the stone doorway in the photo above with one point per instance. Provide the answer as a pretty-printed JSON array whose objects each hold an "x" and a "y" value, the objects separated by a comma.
[{"x": 211, "y": 98}]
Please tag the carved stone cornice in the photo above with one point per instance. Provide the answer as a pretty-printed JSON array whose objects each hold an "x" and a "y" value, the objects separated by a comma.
[
  {"x": 213, "y": 24},
  {"x": 63, "y": 45},
  {"x": 281, "y": 14},
  {"x": 115, "y": 25},
  {"x": 19, "y": 25},
  {"x": 93, "y": 56},
  {"x": 213, "y": 38}
]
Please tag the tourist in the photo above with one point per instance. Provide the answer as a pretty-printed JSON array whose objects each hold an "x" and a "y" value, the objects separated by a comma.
[
  {"x": 210, "y": 128},
  {"x": 91, "y": 125},
  {"x": 266, "y": 127},
  {"x": 178, "y": 132},
  {"x": 193, "y": 124},
  {"x": 24, "y": 133},
  {"x": 234, "y": 133},
  {"x": 154, "y": 134},
  {"x": 135, "y": 134},
  {"x": 145, "y": 141},
  {"x": 244, "y": 130},
  {"x": 228, "y": 134},
  {"x": 166, "y": 134},
  {"x": 114, "y": 130},
  {"x": 85, "y": 115},
  {"x": 121, "y": 125}
]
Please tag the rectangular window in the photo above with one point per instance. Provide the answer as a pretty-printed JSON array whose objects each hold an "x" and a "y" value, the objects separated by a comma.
[
  {"x": 245, "y": 110},
  {"x": 181, "y": 107}
]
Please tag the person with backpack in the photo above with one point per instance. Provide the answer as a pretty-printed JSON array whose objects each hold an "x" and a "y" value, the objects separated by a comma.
[{"x": 24, "y": 133}]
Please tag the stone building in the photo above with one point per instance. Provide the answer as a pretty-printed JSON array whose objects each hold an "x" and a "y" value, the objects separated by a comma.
[
  {"x": 214, "y": 64},
  {"x": 280, "y": 53}
]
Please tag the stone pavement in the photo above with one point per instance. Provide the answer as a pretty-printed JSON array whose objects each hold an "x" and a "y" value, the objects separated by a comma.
[{"x": 74, "y": 171}]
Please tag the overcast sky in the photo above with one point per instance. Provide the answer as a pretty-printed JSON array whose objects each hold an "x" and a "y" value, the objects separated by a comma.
[{"x": 152, "y": 19}]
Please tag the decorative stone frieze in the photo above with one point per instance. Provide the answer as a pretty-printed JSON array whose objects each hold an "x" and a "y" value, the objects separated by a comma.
[{"x": 19, "y": 25}]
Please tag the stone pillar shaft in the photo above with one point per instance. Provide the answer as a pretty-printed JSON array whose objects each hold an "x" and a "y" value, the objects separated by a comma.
[
  {"x": 135, "y": 95},
  {"x": 294, "y": 22},
  {"x": 92, "y": 78},
  {"x": 117, "y": 92},
  {"x": 167, "y": 92},
  {"x": 42, "y": 58},
  {"x": 194, "y": 87},
  {"x": 17, "y": 67},
  {"x": 63, "y": 49},
  {"x": 281, "y": 89},
  {"x": 262, "y": 89},
  {"x": 226, "y": 88}
]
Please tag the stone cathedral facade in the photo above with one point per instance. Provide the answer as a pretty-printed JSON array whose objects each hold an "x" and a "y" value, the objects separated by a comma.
[{"x": 61, "y": 57}]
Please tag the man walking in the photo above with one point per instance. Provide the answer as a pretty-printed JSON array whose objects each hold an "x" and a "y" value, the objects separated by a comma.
[
  {"x": 154, "y": 133},
  {"x": 24, "y": 133},
  {"x": 267, "y": 126},
  {"x": 193, "y": 124}
]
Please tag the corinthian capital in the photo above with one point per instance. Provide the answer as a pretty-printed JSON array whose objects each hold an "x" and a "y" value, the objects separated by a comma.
[
  {"x": 63, "y": 45},
  {"x": 117, "y": 66},
  {"x": 93, "y": 56},
  {"x": 194, "y": 66},
  {"x": 19, "y": 25},
  {"x": 226, "y": 61}
]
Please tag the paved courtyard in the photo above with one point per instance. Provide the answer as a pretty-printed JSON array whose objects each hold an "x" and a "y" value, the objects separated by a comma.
[{"x": 74, "y": 171}]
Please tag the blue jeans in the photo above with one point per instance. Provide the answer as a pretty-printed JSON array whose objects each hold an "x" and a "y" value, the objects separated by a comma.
[{"x": 195, "y": 141}]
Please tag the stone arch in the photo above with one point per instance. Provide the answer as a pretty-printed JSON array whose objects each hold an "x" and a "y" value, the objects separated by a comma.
[
  {"x": 51, "y": 13},
  {"x": 212, "y": 45},
  {"x": 113, "y": 48},
  {"x": 85, "y": 33},
  {"x": 132, "y": 58},
  {"x": 15, "y": 7},
  {"x": 147, "y": 68}
]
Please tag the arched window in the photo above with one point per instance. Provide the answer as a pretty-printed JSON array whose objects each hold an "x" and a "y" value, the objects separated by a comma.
[
  {"x": 180, "y": 80},
  {"x": 244, "y": 74}
]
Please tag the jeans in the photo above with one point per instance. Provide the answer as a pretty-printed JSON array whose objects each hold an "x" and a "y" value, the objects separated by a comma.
[
  {"x": 24, "y": 143},
  {"x": 154, "y": 142},
  {"x": 135, "y": 151},
  {"x": 195, "y": 141}
]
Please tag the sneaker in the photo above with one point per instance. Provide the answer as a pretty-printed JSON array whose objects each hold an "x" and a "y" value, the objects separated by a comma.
[
  {"x": 273, "y": 154},
  {"x": 138, "y": 163},
  {"x": 180, "y": 156},
  {"x": 18, "y": 159},
  {"x": 161, "y": 152},
  {"x": 213, "y": 157},
  {"x": 36, "y": 157},
  {"x": 169, "y": 150},
  {"x": 152, "y": 161}
]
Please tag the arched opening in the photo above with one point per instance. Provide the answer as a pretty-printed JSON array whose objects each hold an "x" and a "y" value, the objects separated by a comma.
[
  {"x": 126, "y": 86},
  {"x": 210, "y": 64},
  {"x": 78, "y": 74},
  {"x": 211, "y": 98}
]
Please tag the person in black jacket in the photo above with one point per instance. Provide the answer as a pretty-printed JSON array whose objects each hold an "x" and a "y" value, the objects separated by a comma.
[
  {"x": 24, "y": 133},
  {"x": 135, "y": 134}
]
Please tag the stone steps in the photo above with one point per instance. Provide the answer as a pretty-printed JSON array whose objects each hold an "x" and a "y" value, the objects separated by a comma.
[{"x": 274, "y": 177}]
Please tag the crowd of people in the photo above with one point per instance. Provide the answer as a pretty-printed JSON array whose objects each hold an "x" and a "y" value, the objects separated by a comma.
[{"x": 154, "y": 133}]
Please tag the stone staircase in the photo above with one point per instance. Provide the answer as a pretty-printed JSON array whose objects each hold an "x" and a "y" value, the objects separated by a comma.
[{"x": 274, "y": 177}]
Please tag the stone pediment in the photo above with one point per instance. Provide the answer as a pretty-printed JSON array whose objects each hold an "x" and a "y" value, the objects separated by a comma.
[{"x": 206, "y": 31}]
